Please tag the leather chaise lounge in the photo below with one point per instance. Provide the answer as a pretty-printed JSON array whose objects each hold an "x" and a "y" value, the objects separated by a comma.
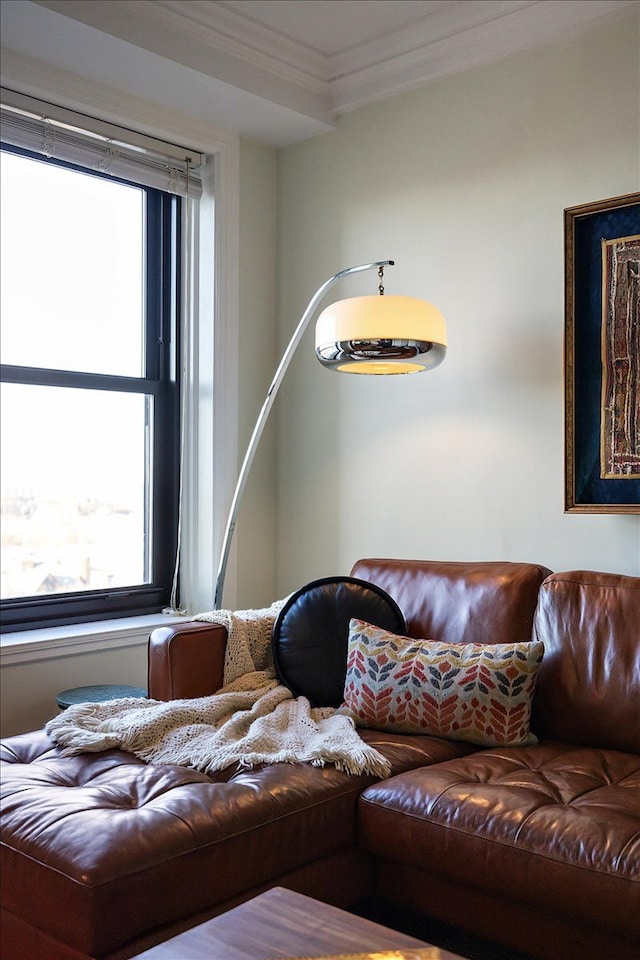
[{"x": 536, "y": 847}]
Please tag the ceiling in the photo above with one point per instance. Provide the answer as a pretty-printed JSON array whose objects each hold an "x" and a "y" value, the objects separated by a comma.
[
  {"x": 280, "y": 70},
  {"x": 332, "y": 26}
]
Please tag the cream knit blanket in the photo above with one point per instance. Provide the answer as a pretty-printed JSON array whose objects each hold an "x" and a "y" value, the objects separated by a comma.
[{"x": 252, "y": 719}]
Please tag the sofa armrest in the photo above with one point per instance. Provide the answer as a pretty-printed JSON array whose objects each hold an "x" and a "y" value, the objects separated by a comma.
[{"x": 186, "y": 660}]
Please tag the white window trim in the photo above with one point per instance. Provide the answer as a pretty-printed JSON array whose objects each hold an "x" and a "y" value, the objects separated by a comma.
[
  {"x": 212, "y": 369},
  {"x": 52, "y": 643}
]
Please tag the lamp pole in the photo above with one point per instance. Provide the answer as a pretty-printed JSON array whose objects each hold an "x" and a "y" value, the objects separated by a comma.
[{"x": 264, "y": 414}]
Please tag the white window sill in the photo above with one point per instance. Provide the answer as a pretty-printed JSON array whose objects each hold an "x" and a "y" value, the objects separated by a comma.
[{"x": 50, "y": 643}]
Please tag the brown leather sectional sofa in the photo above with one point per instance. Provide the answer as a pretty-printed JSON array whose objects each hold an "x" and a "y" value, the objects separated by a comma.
[{"x": 535, "y": 847}]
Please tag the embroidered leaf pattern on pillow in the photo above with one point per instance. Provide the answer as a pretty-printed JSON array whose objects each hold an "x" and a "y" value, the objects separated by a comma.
[{"x": 480, "y": 693}]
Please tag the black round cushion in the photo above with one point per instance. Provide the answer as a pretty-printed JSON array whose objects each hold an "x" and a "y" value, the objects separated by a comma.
[{"x": 311, "y": 634}]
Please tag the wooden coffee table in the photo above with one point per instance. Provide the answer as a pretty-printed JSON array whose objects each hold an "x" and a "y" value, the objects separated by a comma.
[{"x": 279, "y": 924}]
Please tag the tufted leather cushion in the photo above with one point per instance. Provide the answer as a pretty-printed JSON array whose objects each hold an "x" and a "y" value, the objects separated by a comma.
[
  {"x": 100, "y": 848},
  {"x": 311, "y": 634},
  {"x": 553, "y": 826}
]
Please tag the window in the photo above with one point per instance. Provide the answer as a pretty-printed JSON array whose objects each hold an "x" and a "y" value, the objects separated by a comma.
[{"x": 90, "y": 460}]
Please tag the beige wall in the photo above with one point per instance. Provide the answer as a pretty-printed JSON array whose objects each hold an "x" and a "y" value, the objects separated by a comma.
[
  {"x": 28, "y": 690},
  {"x": 463, "y": 183}
]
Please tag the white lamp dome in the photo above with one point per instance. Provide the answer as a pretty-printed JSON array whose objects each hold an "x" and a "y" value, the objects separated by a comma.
[{"x": 381, "y": 335}]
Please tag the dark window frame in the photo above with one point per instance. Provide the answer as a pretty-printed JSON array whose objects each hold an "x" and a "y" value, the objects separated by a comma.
[{"x": 161, "y": 380}]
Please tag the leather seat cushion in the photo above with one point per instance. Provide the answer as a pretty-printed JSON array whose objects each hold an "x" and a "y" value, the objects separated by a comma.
[
  {"x": 551, "y": 825},
  {"x": 99, "y": 848}
]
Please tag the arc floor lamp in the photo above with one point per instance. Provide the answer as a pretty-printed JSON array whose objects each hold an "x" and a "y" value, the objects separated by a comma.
[{"x": 371, "y": 335}]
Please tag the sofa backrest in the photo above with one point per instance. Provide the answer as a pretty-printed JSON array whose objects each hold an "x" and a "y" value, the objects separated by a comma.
[
  {"x": 460, "y": 602},
  {"x": 588, "y": 689}
]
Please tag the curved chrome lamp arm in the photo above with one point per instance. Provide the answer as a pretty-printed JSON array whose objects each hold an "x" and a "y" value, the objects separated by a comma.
[{"x": 264, "y": 413}]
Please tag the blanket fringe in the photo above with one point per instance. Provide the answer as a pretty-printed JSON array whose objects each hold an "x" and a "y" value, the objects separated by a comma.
[
  {"x": 361, "y": 762},
  {"x": 85, "y": 736},
  {"x": 366, "y": 761}
]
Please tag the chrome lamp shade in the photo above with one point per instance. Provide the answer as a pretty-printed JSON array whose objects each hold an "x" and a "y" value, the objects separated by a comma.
[{"x": 381, "y": 335}]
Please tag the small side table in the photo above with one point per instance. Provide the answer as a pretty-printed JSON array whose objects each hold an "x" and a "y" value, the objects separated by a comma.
[{"x": 97, "y": 694}]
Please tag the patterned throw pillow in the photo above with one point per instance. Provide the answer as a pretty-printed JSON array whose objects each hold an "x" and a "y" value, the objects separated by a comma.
[{"x": 480, "y": 693}]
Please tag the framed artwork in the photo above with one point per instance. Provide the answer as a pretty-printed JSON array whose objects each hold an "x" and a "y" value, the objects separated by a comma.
[{"x": 602, "y": 356}]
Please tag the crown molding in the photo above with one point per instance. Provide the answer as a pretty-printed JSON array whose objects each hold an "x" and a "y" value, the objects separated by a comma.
[
  {"x": 416, "y": 38},
  {"x": 216, "y": 42},
  {"x": 225, "y": 29},
  {"x": 457, "y": 39},
  {"x": 220, "y": 42}
]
